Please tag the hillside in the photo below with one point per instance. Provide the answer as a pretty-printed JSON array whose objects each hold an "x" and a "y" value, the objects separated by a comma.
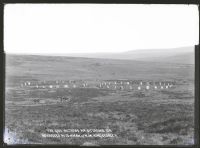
[
  {"x": 183, "y": 55},
  {"x": 49, "y": 67},
  {"x": 133, "y": 117}
]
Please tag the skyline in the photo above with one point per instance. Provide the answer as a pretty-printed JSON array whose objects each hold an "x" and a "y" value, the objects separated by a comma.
[{"x": 179, "y": 50}]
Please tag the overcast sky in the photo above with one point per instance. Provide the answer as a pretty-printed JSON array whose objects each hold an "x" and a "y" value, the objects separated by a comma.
[{"x": 85, "y": 28}]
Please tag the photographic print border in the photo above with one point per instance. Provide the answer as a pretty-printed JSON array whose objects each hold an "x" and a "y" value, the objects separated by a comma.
[{"x": 2, "y": 62}]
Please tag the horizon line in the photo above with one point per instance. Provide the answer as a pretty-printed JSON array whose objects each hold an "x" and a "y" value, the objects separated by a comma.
[{"x": 76, "y": 53}]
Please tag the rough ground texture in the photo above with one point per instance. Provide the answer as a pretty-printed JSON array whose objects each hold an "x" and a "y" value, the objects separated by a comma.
[{"x": 143, "y": 118}]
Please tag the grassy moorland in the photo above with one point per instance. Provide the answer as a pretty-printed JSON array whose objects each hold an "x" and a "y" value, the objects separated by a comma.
[{"x": 136, "y": 117}]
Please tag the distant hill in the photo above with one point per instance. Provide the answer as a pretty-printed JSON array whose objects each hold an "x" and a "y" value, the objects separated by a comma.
[
  {"x": 22, "y": 67},
  {"x": 183, "y": 55}
]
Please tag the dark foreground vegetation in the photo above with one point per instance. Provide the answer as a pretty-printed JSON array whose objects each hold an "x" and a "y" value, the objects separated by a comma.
[{"x": 145, "y": 117}]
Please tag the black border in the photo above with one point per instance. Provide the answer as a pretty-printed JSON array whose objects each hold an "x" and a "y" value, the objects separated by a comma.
[
  {"x": 106, "y": 1},
  {"x": 2, "y": 65},
  {"x": 197, "y": 94},
  {"x": 2, "y": 72}
]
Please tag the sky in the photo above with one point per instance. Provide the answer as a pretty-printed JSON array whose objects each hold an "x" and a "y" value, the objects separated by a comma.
[{"x": 96, "y": 28}]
